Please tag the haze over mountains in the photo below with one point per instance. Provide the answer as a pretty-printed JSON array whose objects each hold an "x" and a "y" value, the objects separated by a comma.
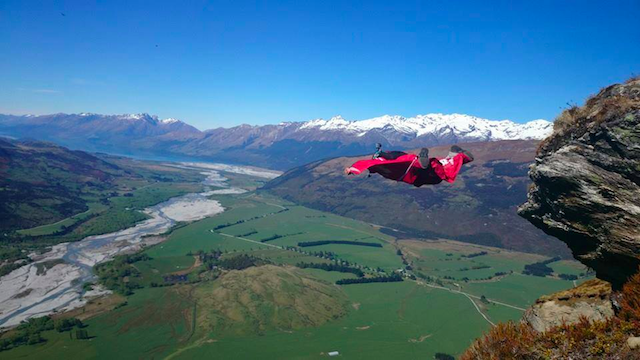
[{"x": 280, "y": 146}]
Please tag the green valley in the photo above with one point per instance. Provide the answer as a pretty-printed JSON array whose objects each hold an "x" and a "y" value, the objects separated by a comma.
[{"x": 187, "y": 307}]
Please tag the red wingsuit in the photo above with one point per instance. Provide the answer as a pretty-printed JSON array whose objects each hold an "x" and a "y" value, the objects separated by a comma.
[{"x": 407, "y": 168}]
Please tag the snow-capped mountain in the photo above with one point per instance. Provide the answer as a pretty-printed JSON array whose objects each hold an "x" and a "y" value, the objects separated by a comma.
[
  {"x": 278, "y": 146},
  {"x": 459, "y": 125}
]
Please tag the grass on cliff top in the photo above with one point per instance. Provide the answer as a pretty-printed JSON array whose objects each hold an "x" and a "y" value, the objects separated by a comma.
[{"x": 596, "y": 109}]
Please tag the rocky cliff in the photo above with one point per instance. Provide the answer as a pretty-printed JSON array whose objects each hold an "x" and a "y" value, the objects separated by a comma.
[
  {"x": 586, "y": 192},
  {"x": 586, "y": 178}
]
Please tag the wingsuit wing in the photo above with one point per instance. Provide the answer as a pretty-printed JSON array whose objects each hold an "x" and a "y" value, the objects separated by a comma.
[
  {"x": 406, "y": 168},
  {"x": 391, "y": 169}
]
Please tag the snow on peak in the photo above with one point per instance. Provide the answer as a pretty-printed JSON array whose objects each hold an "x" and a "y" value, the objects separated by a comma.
[
  {"x": 153, "y": 119},
  {"x": 438, "y": 124},
  {"x": 169, "y": 121},
  {"x": 135, "y": 116},
  {"x": 141, "y": 116}
]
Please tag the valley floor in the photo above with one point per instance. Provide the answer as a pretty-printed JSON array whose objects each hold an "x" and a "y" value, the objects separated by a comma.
[{"x": 452, "y": 292}]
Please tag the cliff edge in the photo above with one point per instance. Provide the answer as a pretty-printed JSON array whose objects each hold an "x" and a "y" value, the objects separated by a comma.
[
  {"x": 586, "y": 177},
  {"x": 585, "y": 192}
]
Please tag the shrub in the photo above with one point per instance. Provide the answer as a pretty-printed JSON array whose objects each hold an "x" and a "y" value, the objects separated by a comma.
[
  {"x": 630, "y": 302},
  {"x": 582, "y": 340},
  {"x": 567, "y": 118},
  {"x": 339, "y": 242},
  {"x": 504, "y": 341},
  {"x": 239, "y": 262}
]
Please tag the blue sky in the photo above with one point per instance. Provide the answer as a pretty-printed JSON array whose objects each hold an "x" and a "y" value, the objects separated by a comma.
[{"x": 222, "y": 63}]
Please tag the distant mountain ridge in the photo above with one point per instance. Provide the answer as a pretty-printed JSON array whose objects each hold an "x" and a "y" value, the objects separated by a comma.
[
  {"x": 280, "y": 146},
  {"x": 455, "y": 124}
]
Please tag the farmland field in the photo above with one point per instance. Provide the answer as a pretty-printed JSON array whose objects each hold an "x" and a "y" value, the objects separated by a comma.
[{"x": 442, "y": 310}]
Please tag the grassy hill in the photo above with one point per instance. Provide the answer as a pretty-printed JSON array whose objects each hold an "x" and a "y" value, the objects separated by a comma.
[
  {"x": 258, "y": 299},
  {"x": 480, "y": 207}
]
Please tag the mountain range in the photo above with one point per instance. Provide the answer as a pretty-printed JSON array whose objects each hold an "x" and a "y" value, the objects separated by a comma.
[{"x": 281, "y": 146}]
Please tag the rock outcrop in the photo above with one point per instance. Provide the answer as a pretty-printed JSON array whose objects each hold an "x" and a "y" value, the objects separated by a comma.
[
  {"x": 586, "y": 192},
  {"x": 590, "y": 300},
  {"x": 586, "y": 178}
]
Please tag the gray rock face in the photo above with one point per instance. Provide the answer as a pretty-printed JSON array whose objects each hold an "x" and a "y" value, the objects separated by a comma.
[
  {"x": 544, "y": 316},
  {"x": 590, "y": 300},
  {"x": 586, "y": 178}
]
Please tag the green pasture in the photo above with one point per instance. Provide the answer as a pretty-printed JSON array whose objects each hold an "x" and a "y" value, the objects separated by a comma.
[
  {"x": 517, "y": 289},
  {"x": 568, "y": 267},
  {"x": 435, "y": 262},
  {"x": 153, "y": 322},
  {"x": 392, "y": 320},
  {"x": 48, "y": 229},
  {"x": 403, "y": 320},
  {"x": 260, "y": 216},
  {"x": 387, "y": 321}
]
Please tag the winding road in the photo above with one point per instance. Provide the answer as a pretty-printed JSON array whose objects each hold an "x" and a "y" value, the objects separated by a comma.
[{"x": 471, "y": 297}]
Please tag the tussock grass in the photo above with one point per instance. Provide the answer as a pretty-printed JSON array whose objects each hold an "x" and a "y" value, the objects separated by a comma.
[
  {"x": 630, "y": 301},
  {"x": 610, "y": 104}
]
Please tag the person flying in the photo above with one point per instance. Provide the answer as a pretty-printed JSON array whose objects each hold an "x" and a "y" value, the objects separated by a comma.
[{"x": 413, "y": 169}]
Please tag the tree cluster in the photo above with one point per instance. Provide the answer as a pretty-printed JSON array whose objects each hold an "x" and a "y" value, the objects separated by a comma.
[
  {"x": 119, "y": 275},
  {"x": 475, "y": 267},
  {"x": 540, "y": 268},
  {"x": 228, "y": 224},
  {"x": 248, "y": 234},
  {"x": 29, "y": 332},
  {"x": 321, "y": 254},
  {"x": 341, "y": 242},
  {"x": 209, "y": 259},
  {"x": 481, "y": 253},
  {"x": 378, "y": 279},
  {"x": 331, "y": 267},
  {"x": 277, "y": 236},
  {"x": 239, "y": 262}
]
